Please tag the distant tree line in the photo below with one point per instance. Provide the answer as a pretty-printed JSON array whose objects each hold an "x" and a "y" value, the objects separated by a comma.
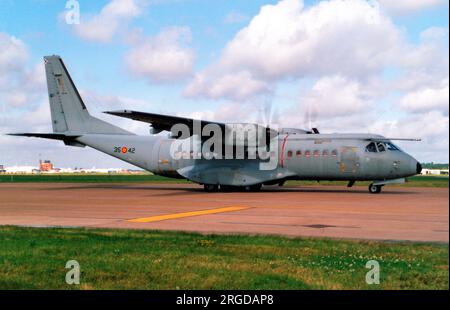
[{"x": 434, "y": 166}]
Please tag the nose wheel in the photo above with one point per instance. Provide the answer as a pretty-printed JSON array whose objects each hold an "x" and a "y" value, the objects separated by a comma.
[{"x": 375, "y": 189}]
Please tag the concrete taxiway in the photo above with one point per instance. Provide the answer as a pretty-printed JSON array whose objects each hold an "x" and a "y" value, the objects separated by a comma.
[{"x": 414, "y": 214}]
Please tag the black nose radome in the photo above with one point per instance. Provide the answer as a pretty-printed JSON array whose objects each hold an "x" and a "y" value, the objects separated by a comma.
[{"x": 419, "y": 168}]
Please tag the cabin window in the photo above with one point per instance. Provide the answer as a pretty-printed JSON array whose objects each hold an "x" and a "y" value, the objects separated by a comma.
[
  {"x": 391, "y": 147},
  {"x": 298, "y": 153},
  {"x": 325, "y": 153},
  {"x": 316, "y": 153},
  {"x": 371, "y": 147},
  {"x": 307, "y": 154},
  {"x": 289, "y": 154},
  {"x": 381, "y": 147},
  {"x": 334, "y": 153}
]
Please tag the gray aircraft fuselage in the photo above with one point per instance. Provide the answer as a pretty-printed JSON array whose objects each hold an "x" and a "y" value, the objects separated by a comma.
[
  {"x": 320, "y": 158},
  {"x": 294, "y": 153}
]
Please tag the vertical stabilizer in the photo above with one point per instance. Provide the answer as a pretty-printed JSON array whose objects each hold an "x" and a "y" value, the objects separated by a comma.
[{"x": 68, "y": 111}]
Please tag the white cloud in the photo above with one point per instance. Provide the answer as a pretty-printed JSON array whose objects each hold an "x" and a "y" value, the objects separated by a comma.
[
  {"x": 13, "y": 52},
  {"x": 38, "y": 119},
  {"x": 407, "y": 6},
  {"x": 285, "y": 40},
  {"x": 345, "y": 48},
  {"x": 229, "y": 112},
  {"x": 35, "y": 78},
  {"x": 432, "y": 127},
  {"x": 16, "y": 98},
  {"x": 99, "y": 102},
  {"x": 425, "y": 64},
  {"x": 237, "y": 86},
  {"x": 112, "y": 18},
  {"x": 335, "y": 96},
  {"x": 434, "y": 33},
  {"x": 162, "y": 58},
  {"x": 427, "y": 99},
  {"x": 20, "y": 85},
  {"x": 13, "y": 56},
  {"x": 24, "y": 107}
]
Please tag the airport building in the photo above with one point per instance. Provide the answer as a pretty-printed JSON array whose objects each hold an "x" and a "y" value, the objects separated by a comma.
[
  {"x": 45, "y": 166},
  {"x": 434, "y": 172}
]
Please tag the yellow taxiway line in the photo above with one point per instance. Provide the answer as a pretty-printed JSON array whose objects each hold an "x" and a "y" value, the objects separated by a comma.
[{"x": 185, "y": 214}]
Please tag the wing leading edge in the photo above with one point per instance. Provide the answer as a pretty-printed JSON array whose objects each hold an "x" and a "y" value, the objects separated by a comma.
[
  {"x": 165, "y": 122},
  {"x": 160, "y": 121}
]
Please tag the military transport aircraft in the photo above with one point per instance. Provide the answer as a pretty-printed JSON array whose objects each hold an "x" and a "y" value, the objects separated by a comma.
[{"x": 235, "y": 160}]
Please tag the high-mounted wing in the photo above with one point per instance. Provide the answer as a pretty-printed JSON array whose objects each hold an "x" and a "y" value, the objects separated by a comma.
[
  {"x": 397, "y": 139},
  {"x": 356, "y": 137},
  {"x": 160, "y": 121}
]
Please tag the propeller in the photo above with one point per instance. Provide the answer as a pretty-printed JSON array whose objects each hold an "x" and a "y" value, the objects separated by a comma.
[
  {"x": 268, "y": 117},
  {"x": 310, "y": 118}
]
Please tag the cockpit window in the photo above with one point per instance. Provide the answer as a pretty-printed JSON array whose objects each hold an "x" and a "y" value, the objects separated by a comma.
[
  {"x": 381, "y": 147},
  {"x": 391, "y": 147},
  {"x": 371, "y": 147}
]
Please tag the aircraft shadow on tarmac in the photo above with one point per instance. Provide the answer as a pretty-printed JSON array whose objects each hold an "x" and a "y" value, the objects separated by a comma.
[
  {"x": 292, "y": 190},
  {"x": 189, "y": 189}
]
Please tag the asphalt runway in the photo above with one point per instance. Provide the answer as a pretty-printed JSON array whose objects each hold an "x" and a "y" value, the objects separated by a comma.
[{"x": 414, "y": 214}]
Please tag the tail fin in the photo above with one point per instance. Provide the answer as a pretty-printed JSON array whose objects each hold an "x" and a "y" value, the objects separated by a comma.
[{"x": 69, "y": 113}]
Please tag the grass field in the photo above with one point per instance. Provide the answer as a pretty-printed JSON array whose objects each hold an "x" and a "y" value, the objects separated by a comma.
[
  {"x": 419, "y": 181},
  {"x": 35, "y": 258}
]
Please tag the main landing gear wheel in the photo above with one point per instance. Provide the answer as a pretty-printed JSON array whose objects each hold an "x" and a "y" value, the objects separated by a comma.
[
  {"x": 211, "y": 187},
  {"x": 375, "y": 189}
]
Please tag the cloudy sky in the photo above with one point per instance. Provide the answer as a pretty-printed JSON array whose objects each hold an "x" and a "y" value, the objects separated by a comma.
[{"x": 342, "y": 66}]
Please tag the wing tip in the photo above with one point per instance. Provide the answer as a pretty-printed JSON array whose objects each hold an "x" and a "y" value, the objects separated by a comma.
[{"x": 118, "y": 112}]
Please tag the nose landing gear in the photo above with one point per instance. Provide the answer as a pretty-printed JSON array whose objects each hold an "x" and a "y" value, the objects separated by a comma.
[{"x": 375, "y": 189}]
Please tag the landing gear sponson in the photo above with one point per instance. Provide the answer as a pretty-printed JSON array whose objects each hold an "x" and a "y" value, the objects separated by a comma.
[
  {"x": 228, "y": 188},
  {"x": 375, "y": 187}
]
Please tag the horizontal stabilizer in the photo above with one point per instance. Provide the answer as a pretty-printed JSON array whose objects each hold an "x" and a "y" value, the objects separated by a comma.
[
  {"x": 67, "y": 139},
  {"x": 53, "y": 136}
]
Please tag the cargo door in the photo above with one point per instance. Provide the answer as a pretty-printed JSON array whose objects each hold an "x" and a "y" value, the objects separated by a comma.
[{"x": 349, "y": 163}]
